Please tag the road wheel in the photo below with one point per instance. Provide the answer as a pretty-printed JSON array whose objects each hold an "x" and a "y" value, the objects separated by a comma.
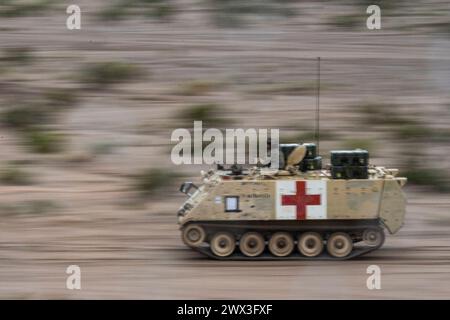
[
  {"x": 339, "y": 244},
  {"x": 223, "y": 244},
  {"x": 310, "y": 244},
  {"x": 252, "y": 244},
  {"x": 281, "y": 244},
  {"x": 373, "y": 237},
  {"x": 193, "y": 235}
]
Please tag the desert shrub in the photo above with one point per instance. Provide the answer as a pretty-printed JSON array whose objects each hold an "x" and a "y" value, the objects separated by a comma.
[
  {"x": 13, "y": 175},
  {"x": 39, "y": 206},
  {"x": 161, "y": 10},
  {"x": 413, "y": 131},
  {"x": 348, "y": 21},
  {"x": 103, "y": 74},
  {"x": 209, "y": 113},
  {"x": 25, "y": 116},
  {"x": 118, "y": 10},
  {"x": 234, "y": 13},
  {"x": 12, "y": 8},
  {"x": 440, "y": 135},
  {"x": 431, "y": 177},
  {"x": 58, "y": 97},
  {"x": 40, "y": 141},
  {"x": 384, "y": 114},
  {"x": 152, "y": 180},
  {"x": 17, "y": 55},
  {"x": 114, "y": 11},
  {"x": 30, "y": 207}
]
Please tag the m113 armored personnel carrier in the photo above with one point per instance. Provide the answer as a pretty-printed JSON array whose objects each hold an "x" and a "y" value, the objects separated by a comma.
[
  {"x": 301, "y": 211},
  {"x": 297, "y": 211}
]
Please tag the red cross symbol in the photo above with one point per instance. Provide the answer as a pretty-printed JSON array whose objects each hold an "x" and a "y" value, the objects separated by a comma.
[{"x": 301, "y": 200}]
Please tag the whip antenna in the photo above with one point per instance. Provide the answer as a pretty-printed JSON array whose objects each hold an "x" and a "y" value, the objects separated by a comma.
[{"x": 317, "y": 131}]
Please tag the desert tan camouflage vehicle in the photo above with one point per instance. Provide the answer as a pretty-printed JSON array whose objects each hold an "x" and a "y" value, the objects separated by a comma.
[{"x": 300, "y": 211}]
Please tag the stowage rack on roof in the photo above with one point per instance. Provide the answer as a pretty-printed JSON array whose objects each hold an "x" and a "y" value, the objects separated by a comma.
[{"x": 349, "y": 164}]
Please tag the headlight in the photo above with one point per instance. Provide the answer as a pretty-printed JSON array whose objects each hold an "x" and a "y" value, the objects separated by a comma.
[{"x": 185, "y": 208}]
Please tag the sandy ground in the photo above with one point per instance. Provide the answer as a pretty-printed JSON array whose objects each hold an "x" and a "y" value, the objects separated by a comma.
[
  {"x": 140, "y": 255},
  {"x": 133, "y": 250}
]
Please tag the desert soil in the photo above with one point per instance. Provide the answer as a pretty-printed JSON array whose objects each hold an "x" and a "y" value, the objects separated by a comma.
[{"x": 132, "y": 249}]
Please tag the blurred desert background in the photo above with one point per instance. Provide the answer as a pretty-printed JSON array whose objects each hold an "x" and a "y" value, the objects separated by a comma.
[{"x": 86, "y": 118}]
